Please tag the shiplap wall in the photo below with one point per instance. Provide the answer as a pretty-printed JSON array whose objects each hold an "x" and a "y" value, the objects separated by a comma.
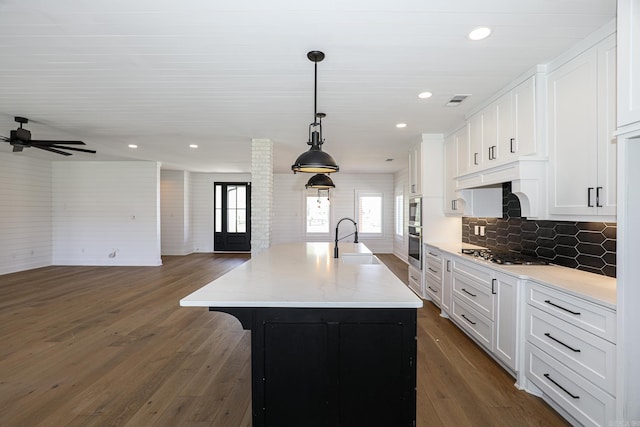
[
  {"x": 25, "y": 213},
  {"x": 175, "y": 210},
  {"x": 289, "y": 207},
  {"x": 202, "y": 206},
  {"x": 106, "y": 213}
]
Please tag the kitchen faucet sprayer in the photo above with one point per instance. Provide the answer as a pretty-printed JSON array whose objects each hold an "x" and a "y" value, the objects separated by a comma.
[{"x": 355, "y": 234}]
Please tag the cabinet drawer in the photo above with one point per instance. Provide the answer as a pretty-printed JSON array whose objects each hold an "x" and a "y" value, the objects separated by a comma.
[
  {"x": 588, "y": 355},
  {"x": 473, "y": 322},
  {"x": 590, "y": 405},
  {"x": 434, "y": 289},
  {"x": 581, "y": 313},
  {"x": 473, "y": 293},
  {"x": 434, "y": 268},
  {"x": 479, "y": 273}
]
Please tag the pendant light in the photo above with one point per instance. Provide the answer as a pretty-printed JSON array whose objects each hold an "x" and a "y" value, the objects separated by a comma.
[
  {"x": 315, "y": 160},
  {"x": 320, "y": 181}
]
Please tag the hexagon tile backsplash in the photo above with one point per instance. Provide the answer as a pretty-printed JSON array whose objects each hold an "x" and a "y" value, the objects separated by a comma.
[{"x": 589, "y": 246}]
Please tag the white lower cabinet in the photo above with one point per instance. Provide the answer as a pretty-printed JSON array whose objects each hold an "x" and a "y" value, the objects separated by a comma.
[
  {"x": 433, "y": 275},
  {"x": 485, "y": 305},
  {"x": 570, "y": 353},
  {"x": 415, "y": 281}
]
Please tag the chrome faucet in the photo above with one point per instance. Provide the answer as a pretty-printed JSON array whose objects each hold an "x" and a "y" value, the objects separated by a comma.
[{"x": 355, "y": 239}]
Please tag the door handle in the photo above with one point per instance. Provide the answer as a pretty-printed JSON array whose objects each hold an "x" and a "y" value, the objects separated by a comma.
[
  {"x": 493, "y": 286},
  {"x": 589, "y": 190},
  {"x": 475, "y": 158},
  {"x": 598, "y": 197},
  {"x": 511, "y": 145}
]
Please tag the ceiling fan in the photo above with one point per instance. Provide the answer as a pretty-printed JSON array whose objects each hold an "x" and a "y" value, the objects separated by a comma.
[{"x": 21, "y": 138}]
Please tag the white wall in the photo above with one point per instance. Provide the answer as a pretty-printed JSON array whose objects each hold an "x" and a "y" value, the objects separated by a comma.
[
  {"x": 202, "y": 206},
  {"x": 289, "y": 210},
  {"x": 175, "y": 208},
  {"x": 106, "y": 213},
  {"x": 25, "y": 213}
]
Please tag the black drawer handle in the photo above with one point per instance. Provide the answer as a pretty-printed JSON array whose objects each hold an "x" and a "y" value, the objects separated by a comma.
[
  {"x": 547, "y": 376},
  {"x": 436, "y": 291},
  {"x": 432, "y": 254},
  {"x": 432, "y": 270},
  {"x": 468, "y": 320},
  {"x": 548, "y": 335},
  {"x": 562, "y": 308},
  {"x": 468, "y": 293}
]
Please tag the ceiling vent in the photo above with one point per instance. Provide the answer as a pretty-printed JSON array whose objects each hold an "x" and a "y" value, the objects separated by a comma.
[{"x": 456, "y": 100}]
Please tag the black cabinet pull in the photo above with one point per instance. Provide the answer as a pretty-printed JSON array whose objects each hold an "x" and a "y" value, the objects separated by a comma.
[
  {"x": 432, "y": 270},
  {"x": 448, "y": 265},
  {"x": 548, "y": 335},
  {"x": 562, "y": 308},
  {"x": 598, "y": 205},
  {"x": 490, "y": 155},
  {"x": 469, "y": 320},
  {"x": 511, "y": 145},
  {"x": 493, "y": 286},
  {"x": 453, "y": 205},
  {"x": 434, "y": 290},
  {"x": 589, "y": 190},
  {"x": 547, "y": 376},
  {"x": 475, "y": 158},
  {"x": 469, "y": 293}
]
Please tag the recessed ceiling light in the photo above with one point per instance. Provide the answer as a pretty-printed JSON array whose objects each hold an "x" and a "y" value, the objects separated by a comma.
[
  {"x": 479, "y": 33},
  {"x": 425, "y": 95},
  {"x": 193, "y": 145},
  {"x": 132, "y": 146},
  {"x": 401, "y": 125}
]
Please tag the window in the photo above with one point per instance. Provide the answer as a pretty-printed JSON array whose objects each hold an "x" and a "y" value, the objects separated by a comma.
[
  {"x": 318, "y": 213},
  {"x": 370, "y": 213},
  {"x": 399, "y": 215}
]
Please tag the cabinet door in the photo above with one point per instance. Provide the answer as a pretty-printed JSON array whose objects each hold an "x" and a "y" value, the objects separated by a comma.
[
  {"x": 629, "y": 61},
  {"x": 503, "y": 151},
  {"x": 573, "y": 113},
  {"x": 490, "y": 135},
  {"x": 524, "y": 121},
  {"x": 462, "y": 137},
  {"x": 607, "y": 147},
  {"x": 415, "y": 170},
  {"x": 476, "y": 153},
  {"x": 450, "y": 171},
  {"x": 506, "y": 319},
  {"x": 447, "y": 283}
]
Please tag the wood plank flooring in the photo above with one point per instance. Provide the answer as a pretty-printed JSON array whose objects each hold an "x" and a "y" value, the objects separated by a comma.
[{"x": 110, "y": 346}]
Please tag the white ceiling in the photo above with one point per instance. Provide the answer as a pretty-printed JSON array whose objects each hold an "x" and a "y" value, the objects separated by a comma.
[{"x": 164, "y": 74}]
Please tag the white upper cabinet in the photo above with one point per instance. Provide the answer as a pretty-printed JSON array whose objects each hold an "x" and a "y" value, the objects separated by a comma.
[
  {"x": 415, "y": 170},
  {"x": 505, "y": 130},
  {"x": 452, "y": 205},
  {"x": 629, "y": 65},
  {"x": 581, "y": 119}
]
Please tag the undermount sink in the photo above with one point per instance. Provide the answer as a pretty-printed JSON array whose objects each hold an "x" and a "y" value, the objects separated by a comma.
[{"x": 358, "y": 258}]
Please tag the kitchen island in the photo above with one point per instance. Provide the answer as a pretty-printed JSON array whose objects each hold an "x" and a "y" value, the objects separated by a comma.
[{"x": 332, "y": 340}]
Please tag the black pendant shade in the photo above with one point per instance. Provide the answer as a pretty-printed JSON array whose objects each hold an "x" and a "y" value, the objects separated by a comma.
[
  {"x": 315, "y": 160},
  {"x": 320, "y": 181}
]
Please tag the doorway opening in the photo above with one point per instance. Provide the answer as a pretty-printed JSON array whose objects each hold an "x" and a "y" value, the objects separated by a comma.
[{"x": 232, "y": 217}]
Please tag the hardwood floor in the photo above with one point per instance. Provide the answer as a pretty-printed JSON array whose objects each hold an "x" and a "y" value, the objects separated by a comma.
[{"x": 95, "y": 346}]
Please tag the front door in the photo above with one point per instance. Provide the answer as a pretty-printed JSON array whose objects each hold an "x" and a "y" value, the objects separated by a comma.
[{"x": 232, "y": 207}]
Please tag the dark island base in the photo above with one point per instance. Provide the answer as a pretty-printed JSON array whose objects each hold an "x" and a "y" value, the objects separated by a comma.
[{"x": 331, "y": 367}]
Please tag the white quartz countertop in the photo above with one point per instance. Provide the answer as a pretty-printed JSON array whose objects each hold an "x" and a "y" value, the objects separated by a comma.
[
  {"x": 306, "y": 275},
  {"x": 593, "y": 287}
]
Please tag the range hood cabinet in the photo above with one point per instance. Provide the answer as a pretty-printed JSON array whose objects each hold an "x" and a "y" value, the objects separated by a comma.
[{"x": 528, "y": 182}]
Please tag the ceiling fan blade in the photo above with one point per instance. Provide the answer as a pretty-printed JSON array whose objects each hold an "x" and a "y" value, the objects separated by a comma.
[
  {"x": 43, "y": 142},
  {"x": 72, "y": 148},
  {"x": 53, "y": 150}
]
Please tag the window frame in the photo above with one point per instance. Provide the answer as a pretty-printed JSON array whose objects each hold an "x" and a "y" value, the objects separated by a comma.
[
  {"x": 307, "y": 194},
  {"x": 361, "y": 232}
]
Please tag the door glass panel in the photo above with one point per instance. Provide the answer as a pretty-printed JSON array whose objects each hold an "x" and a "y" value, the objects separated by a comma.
[{"x": 218, "y": 205}]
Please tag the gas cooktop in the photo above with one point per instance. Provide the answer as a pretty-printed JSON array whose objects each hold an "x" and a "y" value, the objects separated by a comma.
[{"x": 504, "y": 257}]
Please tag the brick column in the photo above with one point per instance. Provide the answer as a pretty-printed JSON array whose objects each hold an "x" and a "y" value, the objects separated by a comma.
[{"x": 261, "y": 194}]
